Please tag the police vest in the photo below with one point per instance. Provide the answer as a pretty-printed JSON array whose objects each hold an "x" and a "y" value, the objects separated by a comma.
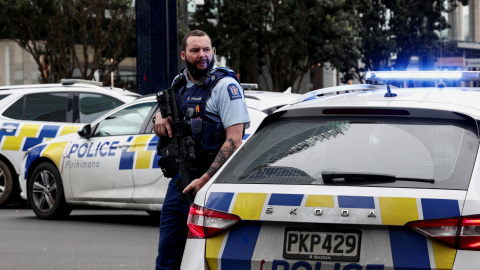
[{"x": 211, "y": 136}]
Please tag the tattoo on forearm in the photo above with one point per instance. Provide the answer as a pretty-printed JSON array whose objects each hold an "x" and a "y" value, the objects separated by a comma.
[{"x": 225, "y": 152}]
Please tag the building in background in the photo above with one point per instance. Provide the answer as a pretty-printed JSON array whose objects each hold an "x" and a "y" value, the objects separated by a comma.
[
  {"x": 17, "y": 67},
  {"x": 465, "y": 35}
]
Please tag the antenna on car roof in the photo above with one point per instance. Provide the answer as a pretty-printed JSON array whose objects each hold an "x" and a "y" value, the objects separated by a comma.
[{"x": 389, "y": 92}]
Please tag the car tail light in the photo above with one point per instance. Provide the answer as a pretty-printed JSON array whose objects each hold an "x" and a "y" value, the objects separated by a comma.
[
  {"x": 459, "y": 232},
  {"x": 204, "y": 223}
]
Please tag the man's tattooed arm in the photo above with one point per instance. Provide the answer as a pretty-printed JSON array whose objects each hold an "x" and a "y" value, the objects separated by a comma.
[
  {"x": 223, "y": 155},
  {"x": 234, "y": 134}
]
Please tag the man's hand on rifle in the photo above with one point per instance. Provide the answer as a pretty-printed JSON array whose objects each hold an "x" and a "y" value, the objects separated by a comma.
[{"x": 162, "y": 126}]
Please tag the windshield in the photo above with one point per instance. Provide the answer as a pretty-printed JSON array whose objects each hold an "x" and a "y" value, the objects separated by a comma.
[{"x": 298, "y": 150}]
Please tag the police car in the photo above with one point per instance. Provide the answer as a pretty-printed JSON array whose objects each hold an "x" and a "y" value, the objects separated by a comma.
[
  {"x": 381, "y": 178},
  {"x": 31, "y": 114},
  {"x": 109, "y": 163}
]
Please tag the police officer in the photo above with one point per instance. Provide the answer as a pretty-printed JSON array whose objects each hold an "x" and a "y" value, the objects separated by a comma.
[{"x": 218, "y": 100}]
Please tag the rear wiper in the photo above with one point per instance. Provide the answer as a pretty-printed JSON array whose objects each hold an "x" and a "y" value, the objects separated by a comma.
[{"x": 329, "y": 176}]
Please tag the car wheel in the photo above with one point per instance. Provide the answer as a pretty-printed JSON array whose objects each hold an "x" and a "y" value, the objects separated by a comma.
[
  {"x": 7, "y": 185},
  {"x": 45, "y": 193}
]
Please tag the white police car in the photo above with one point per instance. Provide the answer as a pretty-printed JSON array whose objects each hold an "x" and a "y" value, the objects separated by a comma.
[
  {"x": 110, "y": 163},
  {"x": 386, "y": 178},
  {"x": 31, "y": 114}
]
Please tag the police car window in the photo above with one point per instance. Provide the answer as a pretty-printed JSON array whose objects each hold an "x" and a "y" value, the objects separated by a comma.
[
  {"x": 51, "y": 107},
  {"x": 92, "y": 106},
  {"x": 297, "y": 151},
  {"x": 3, "y": 96},
  {"x": 15, "y": 111},
  {"x": 124, "y": 122}
]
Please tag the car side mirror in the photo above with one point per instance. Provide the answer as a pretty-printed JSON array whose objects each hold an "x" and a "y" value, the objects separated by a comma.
[{"x": 86, "y": 131}]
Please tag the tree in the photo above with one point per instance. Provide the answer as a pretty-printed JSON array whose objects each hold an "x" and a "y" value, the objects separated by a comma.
[
  {"x": 288, "y": 36},
  {"x": 374, "y": 41},
  {"x": 71, "y": 34},
  {"x": 415, "y": 25},
  {"x": 403, "y": 28},
  {"x": 285, "y": 36}
]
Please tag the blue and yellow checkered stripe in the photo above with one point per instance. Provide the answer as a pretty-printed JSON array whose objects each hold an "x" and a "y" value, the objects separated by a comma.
[
  {"x": 142, "y": 153},
  {"x": 20, "y": 137},
  {"x": 393, "y": 210},
  {"x": 407, "y": 247}
]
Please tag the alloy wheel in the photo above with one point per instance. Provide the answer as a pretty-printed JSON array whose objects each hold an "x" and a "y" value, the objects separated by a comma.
[{"x": 44, "y": 191}]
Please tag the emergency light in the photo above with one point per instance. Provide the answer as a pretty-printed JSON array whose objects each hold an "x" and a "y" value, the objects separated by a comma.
[{"x": 422, "y": 76}]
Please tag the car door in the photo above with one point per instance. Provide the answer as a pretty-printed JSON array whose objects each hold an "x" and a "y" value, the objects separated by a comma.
[
  {"x": 100, "y": 167},
  {"x": 150, "y": 184}
]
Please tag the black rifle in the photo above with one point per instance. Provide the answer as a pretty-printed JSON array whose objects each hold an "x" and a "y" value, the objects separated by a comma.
[{"x": 181, "y": 147}]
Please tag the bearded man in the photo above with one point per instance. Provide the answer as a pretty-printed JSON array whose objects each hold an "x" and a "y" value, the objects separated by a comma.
[{"x": 217, "y": 98}]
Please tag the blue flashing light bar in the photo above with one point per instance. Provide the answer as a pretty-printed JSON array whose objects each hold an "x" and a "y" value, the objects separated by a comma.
[{"x": 423, "y": 75}]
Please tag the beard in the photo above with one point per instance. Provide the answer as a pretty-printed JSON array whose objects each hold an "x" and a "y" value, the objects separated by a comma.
[{"x": 197, "y": 73}]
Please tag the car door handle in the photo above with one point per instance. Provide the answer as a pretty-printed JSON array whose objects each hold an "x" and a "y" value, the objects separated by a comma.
[
  {"x": 126, "y": 145},
  {"x": 8, "y": 128}
]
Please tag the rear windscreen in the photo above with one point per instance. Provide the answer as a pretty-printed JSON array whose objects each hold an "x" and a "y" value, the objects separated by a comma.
[{"x": 416, "y": 152}]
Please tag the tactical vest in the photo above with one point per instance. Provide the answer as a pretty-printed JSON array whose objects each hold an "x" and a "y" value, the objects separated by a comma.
[{"x": 207, "y": 128}]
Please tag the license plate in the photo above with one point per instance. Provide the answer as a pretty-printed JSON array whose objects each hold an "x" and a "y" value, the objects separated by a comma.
[{"x": 325, "y": 245}]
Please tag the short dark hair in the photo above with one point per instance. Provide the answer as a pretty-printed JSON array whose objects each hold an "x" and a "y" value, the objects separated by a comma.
[{"x": 194, "y": 33}]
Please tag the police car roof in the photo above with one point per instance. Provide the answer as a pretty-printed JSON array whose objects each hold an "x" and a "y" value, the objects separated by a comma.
[
  {"x": 262, "y": 100},
  {"x": 256, "y": 94},
  {"x": 460, "y": 99},
  {"x": 32, "y": 88}
]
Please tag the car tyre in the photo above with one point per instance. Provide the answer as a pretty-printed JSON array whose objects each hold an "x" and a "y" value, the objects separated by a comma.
[
  {"x": 7, "y": 185},
  {"x": 45, "y": 193}
]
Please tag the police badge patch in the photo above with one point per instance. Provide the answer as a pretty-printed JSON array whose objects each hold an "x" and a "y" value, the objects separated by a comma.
[{"x": 234, "y": 91}]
